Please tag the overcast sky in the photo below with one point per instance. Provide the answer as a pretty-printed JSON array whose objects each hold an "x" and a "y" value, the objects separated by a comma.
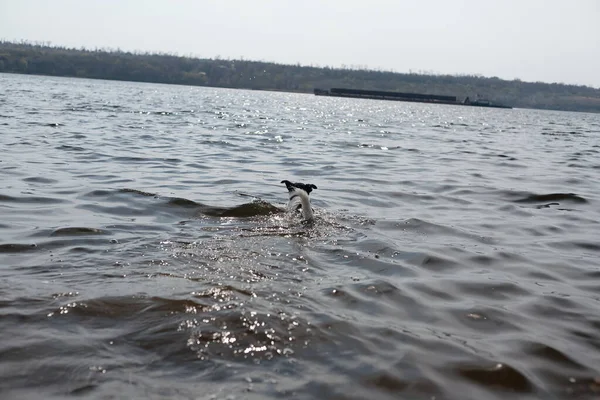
[{"x": 534, "y": 40}]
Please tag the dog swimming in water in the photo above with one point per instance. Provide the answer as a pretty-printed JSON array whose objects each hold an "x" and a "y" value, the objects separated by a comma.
[{"x": 299, "y": 200}]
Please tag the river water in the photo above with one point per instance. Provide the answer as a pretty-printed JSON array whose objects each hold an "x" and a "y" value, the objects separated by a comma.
[{"x": 145, "y": 250}]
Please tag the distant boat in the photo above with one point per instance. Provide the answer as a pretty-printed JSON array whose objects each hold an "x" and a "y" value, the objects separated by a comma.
[
  {"x": 399, "y": 96},
  {"x": 483, "y": 103}
]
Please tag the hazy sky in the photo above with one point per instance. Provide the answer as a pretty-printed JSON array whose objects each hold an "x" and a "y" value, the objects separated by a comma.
[{"x": 534, "y": 40}]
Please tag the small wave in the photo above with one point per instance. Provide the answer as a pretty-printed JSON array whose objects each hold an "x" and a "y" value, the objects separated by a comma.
[
  {"x": 583, "y": 245},
  {"x": 135, "y": 191},
  {"x": 550, "y": 197},
  {"x": 50, "y": 124},
  {"x": 181, "y": 202},
  {"x": 30, "y": 199},
  {"x": 40, "y": 179},
  {"x": 70, "y": 148},
  {"x": 166, "y": 113},
  {"x": 214, "y": 323},
  {"x": 496, "y": 375},
  {"x": 247, "y": 210},
  {"x": 16, "y": 247},
  {"x": 548, "y": 205},
  {"x": 197, "y": 166},
  {"x": 430, "y": 228},
  {"x": 130, "y": 159},
  {"x": 510, "y": 158},
  {"x": 78, "y": 231}
]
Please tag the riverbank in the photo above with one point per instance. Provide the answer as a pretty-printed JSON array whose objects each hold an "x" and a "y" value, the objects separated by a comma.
[{"x": 24, "y": 58}]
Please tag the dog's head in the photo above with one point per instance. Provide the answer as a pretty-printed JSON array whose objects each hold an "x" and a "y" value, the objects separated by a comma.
[{"x": 291, "y": 186}]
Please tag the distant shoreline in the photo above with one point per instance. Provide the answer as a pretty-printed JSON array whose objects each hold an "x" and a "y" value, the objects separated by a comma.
[{"x": 35, "y": 59}]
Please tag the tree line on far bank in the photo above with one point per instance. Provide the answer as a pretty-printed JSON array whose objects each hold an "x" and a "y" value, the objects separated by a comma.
[{"x": 43, "y": 59}]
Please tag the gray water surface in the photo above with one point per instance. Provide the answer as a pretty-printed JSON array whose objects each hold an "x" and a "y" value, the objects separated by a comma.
[{"x": 145, "y": 251}]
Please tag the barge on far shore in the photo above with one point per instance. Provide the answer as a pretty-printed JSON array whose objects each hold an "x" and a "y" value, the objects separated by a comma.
[{"x": 411, "y": 97}]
